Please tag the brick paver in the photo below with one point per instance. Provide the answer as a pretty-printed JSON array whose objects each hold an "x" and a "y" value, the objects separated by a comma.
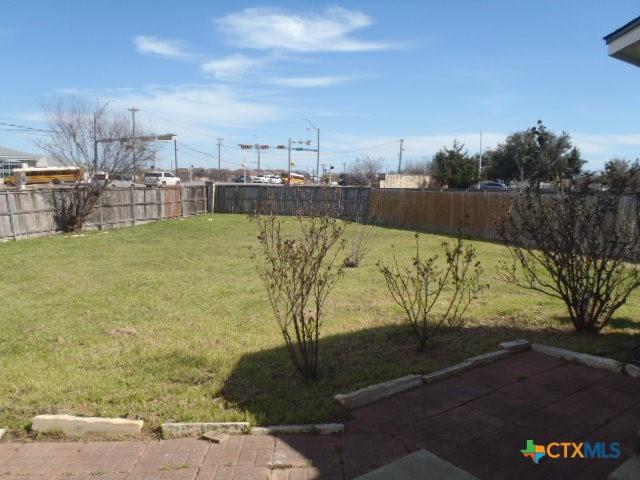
[{"x": 478, "y": 420}]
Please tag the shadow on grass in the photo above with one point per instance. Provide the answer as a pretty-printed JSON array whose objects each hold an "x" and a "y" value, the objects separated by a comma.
[
  {"x": 265, "y": 386},
  {"x": 618, "y": 323}
]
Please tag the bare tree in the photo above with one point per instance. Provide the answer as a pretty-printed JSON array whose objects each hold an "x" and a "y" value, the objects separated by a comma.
[
  {"x": 365, "y": 169},
  {"x": 97, "y": 141},
  {"x": 423, "y": 166},
  {"x": 433, "y": 297},
  {"x": 299, "y": 272},
  {"x": 575, "y": 246}
]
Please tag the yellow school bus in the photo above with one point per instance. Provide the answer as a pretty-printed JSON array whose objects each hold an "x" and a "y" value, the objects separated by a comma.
[
  {"x": 293, "y": 179},
  {"x": 44, "y": 175}
]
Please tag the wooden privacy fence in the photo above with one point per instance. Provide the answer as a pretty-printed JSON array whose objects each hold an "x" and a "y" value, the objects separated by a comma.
[
  {"x": 348, "y": 202},
  {"x": 30, "y": 213},
  {"x": 435, "y": 211},
  {"x": 472, "y": 213}
]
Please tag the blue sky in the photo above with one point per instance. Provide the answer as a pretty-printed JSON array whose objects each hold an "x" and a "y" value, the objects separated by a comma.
[{"x": 366, "y": 73}]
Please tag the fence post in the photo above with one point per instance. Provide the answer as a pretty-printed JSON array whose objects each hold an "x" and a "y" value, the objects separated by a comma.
[
  {"x": 11, "y": 224},
  {"x": 159, "y": 199},
  {"x": 184, "y": 190},
  {"x": 133, "y": 206},
  {"x": 100, "y": 206}
]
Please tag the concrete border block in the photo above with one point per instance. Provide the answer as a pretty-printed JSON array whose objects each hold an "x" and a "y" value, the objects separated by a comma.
[
  {"x": 632, "y": 370},
  {"x": 188, "y": 429},
  {"x": 582, "y": 358},
  {"x": 489, "y": 357},
  {"x": 72, "y": 425},
  {"x": 376, "y": 392},
  {"x": 2, "y": 432},
  {"x": 629, "y": 470},
  {"x": 446, "y": 372},
  {"x": 320, "y": 428},
  {"x": 519, "y": 345}
]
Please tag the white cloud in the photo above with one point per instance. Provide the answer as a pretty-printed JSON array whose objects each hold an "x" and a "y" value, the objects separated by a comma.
[
  {"x": 265, "y": 28},
  {"x": 322, "y": 81},
  {"x": 231, "y": 67},
  {"x": 162, "y": 47},
  {"x": 196, "y": 108}
]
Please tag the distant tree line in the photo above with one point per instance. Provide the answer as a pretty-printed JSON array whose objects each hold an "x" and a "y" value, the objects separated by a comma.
[{"x": 529, "y": 158}]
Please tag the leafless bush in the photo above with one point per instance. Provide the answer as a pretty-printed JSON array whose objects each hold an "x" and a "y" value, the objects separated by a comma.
[
  {"x": 434, "y": 297},
  {"x": 575, "y": 246},
  {"x": 95, "y": 140},
  {"x": 299, "y": 271},
  {"x": 359, "y": 244}
]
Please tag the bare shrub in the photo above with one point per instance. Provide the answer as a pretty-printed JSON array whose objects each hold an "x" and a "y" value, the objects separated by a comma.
[
  {"x": 299, "y": 271},
  {"x": 358, "y": 246},
  {"x": 435, "y": 297},
  {"x": 575, "y": 246}
]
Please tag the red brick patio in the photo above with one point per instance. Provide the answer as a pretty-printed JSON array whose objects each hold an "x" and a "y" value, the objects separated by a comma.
[{"x": 478, "y": 420}]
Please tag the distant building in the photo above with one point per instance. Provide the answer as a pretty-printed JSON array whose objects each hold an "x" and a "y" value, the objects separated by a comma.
[
  {"x": 624, "y": 43},
  {"x": 394, "y": 180},
  {"x": 10, "y": 159}
]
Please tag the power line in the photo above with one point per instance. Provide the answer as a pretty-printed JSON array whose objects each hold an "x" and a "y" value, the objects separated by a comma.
[{"x": 22, "y": 127}]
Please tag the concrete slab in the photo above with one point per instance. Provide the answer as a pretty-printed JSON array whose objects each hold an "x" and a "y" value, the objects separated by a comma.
[
  {"x": 585, "y": 359},
  {"x": 319, "y": 428},
  {"x": 76, "y": 425},
  {"x": 373, "y": 393},
  {"x": 520, "y": 345},
  {"x": 420, "y": 465},
  {"x": 194, "y": 429},
  {"x": 629, "y": 470}
]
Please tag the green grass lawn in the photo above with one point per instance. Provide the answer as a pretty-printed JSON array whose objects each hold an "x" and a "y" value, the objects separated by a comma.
[{"x": 169, "y": 322}]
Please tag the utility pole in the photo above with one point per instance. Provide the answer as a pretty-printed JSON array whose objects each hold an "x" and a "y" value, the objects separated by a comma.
[
  {"x": 344, "y": 167},
  {"x": 95, "y": 143},
  {"x": 480, "y": 160},
  {"x": 258, "y": 148},
  {"x": 289, "y": 158},
  {"x": 175, "y": 154},
  {"x": 133, "y": 111},
  {"x": 400, "y": 155},
  {"x": 219, "y": 145}
]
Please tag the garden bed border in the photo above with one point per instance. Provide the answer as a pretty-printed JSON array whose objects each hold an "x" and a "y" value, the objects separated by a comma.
[{"x": 379, "y": 391}]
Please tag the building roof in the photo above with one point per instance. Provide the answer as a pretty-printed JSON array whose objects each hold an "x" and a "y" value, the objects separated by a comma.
[
  {"x": 624, "y": 43},
  {"x": 18, "y": 155},
  {"x": 622, "y": 30}
]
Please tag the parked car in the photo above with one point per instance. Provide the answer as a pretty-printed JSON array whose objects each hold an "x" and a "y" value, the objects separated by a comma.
[
  {"x": 156, "y": 179},
  {"x": 492, "y": 187},
  {"x": 275, "y": 179},
  {"x": 241, "y": 179},
  {"x": 116, "y": 180},
  {"x": 260, "y": 179}
]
